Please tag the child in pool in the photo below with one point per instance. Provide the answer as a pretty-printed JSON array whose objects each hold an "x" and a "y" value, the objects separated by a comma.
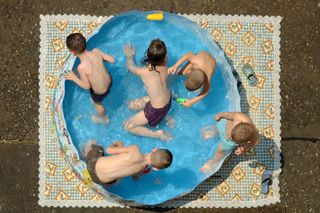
[
  {"x": 156, "y": 105},
  {"x": 199, "y": 70},
  {"x": 122, "y": 162},
  {"x": 237, "y": 133},
  {"x": 93, "y": 74}
]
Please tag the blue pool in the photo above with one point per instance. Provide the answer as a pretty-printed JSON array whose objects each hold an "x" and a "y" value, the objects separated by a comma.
[{"x": 189, "y": 150}]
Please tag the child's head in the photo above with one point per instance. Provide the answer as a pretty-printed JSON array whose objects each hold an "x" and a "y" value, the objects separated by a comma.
[
  {"x": 160, "y": 158},
  {"x": 155, "y": 54},
  {"x": 195, "y": 79},
  {"x": 76, "y": 43},
  {"x": 242, "y": 133}
]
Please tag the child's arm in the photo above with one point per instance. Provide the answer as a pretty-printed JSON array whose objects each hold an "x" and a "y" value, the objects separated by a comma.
[
  {"x": 174, "y": 68},
  {"x": 105, "y": 56},
  {"x": 225, "y": 115},
  {"x": 133, "y": 68},
  {"x": 129, "y": 52},
  {"x": 210, "y": 164},
  {"x": 83, "y": 81}
]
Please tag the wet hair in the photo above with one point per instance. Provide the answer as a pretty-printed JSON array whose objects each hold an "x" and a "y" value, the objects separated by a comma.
[
  {"x": 155, "y": 54},
  {"x": 242, "y": 133},
  {"x": 76, "y": 42},
  {"x": 161, "y": 159},
  {"x": 195, "y": 79}
]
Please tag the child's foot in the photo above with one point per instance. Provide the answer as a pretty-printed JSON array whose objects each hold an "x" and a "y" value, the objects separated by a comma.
[
  {"x": 170, "y": 122},
  {"x": 208, "y": 166},
  {"x": 87, "y": 148},
  {"x": 209, "y": 132},
  {"x": 118, "y": 144},
  {"x": 205, "y": 168},
  {"x": 100, "y": 119},
  {"x": 164, "y": 136}
]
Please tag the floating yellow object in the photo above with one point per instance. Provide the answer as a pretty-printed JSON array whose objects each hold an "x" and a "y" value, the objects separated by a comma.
[
  {"x": 155, "y": 16},
  {"x": 87, "y": 178}
]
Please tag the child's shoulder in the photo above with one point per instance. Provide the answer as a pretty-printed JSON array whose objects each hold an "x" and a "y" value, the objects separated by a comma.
[
  {"x": 96, "y": 51},
  {"x": 205, "y": 54},
  {"x": 200, "y": 56},
  {"x": 81, "y": 66},
  {"x": 242, "y": 117}
]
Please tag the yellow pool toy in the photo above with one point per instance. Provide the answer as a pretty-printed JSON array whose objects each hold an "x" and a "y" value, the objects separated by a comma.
[
  {"x": 87, "y": 178},
  {"x": 155, "y": 16}
]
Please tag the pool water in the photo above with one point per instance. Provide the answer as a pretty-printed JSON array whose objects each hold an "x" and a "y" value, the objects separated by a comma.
[{"x": 189, "y": 151}]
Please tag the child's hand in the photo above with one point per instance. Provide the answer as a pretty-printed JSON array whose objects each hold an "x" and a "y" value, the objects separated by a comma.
[
  {"x": 172, "y": 70},
  {"x": 118, "y": 144},
  {"x": 187, "y": 103},
  {"x": 217, "y": 118},
  {"x": 128, "y": 50},
  {"x": 69, "y": 75},
  {"x": 205, "y": 168},
  {"x": 239, "y": 150}
]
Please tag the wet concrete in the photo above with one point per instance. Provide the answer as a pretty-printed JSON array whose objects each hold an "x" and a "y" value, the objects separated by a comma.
[{"x": 300, "y": 85}]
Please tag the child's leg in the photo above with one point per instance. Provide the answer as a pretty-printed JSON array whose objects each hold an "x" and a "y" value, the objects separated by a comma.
[
  {"x": 210, "y": 164},
  {"x": 135, "y": 125},
  {"x": 170, "y": 121},
  {"x": 100, "y": 109},
  {"x": 102, "y": 118},
  {"x": 209, "y": 132},
  {"x": 138, "y": 104}
]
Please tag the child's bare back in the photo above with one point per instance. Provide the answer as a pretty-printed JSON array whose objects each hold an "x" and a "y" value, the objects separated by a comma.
[
  {"x": 122, "y": 161},
  {"x": 156, "y": 85},
  {"x": 205, "y": 62},
  {"x": 98, "y": 76}
]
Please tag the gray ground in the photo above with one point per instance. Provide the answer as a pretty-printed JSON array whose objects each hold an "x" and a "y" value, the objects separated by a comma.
[{"x": 300, "y": 85}]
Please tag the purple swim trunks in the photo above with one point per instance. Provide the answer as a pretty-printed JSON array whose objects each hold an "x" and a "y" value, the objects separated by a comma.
[{"x": 154, "y": 115}]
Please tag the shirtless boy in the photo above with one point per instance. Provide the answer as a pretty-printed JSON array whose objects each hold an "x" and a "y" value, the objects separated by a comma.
[
  {"x": 199, "y": 70},
  {"x": 122, "y": 161},
  {"x": 93, "y": 74},
  {"x": 237, "y": 133},
  {"x": 154, "y": 107}
]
